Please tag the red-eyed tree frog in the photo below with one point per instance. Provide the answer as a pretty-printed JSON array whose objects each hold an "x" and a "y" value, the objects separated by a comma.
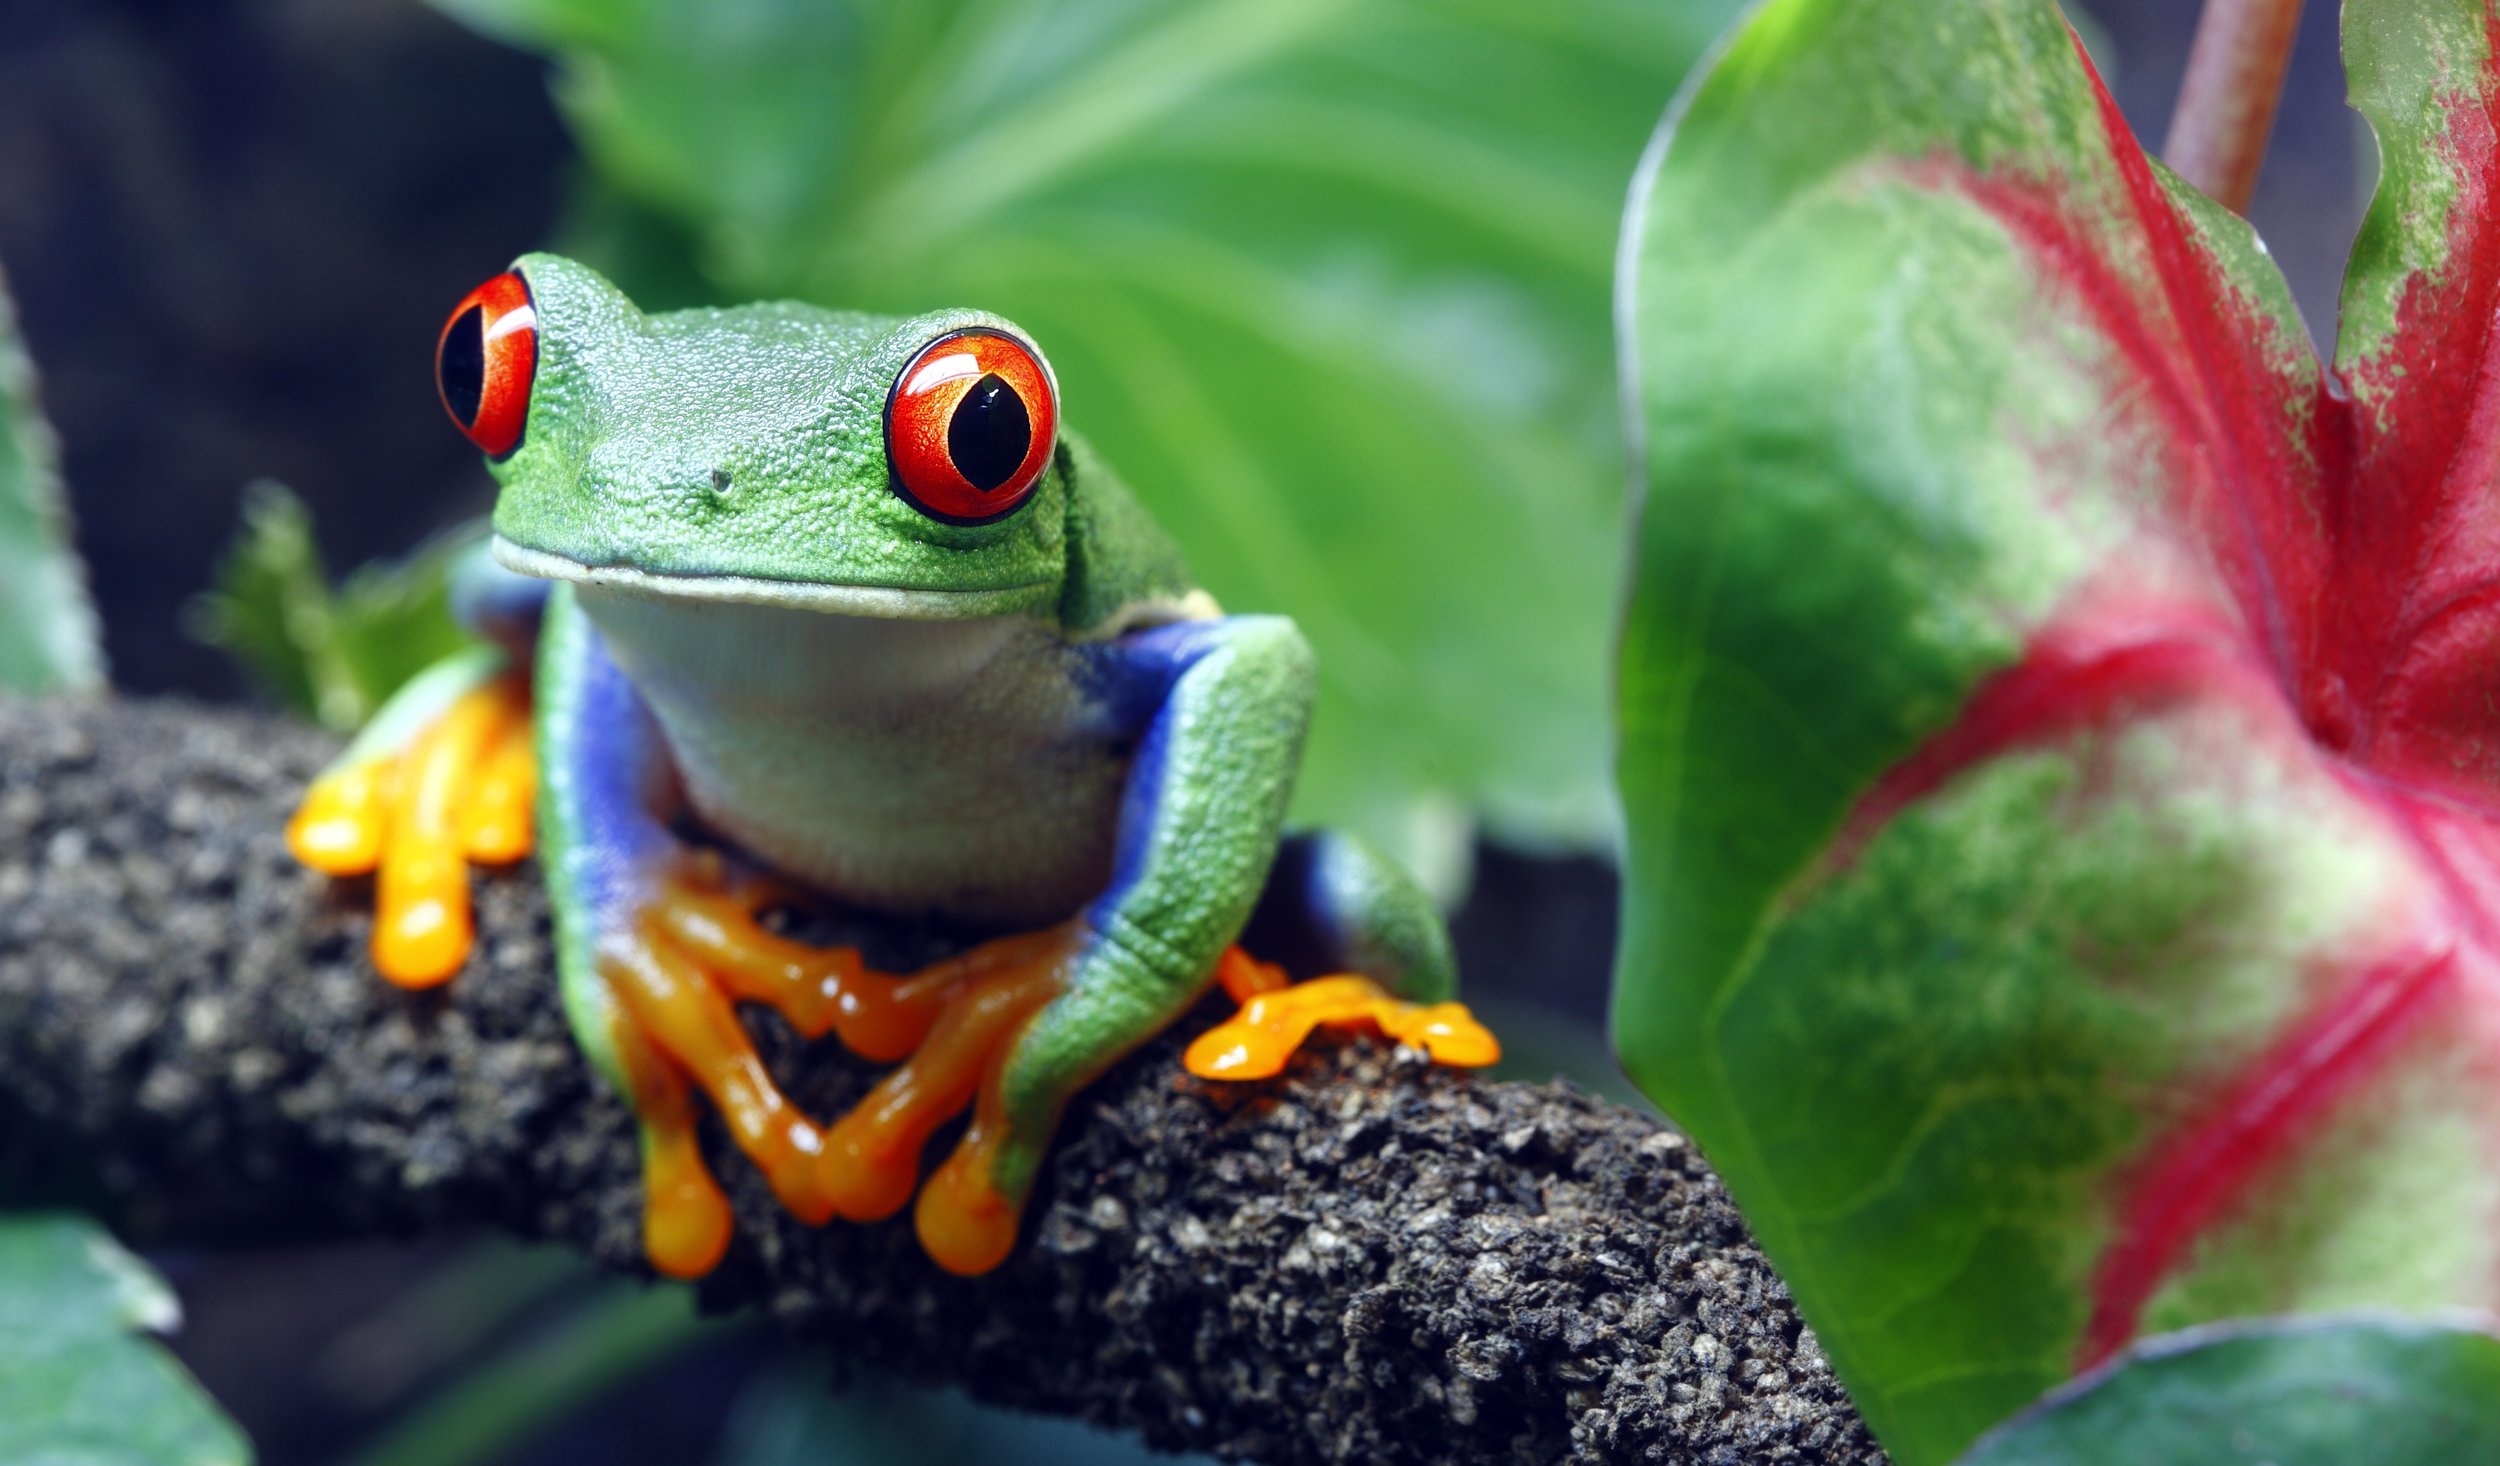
[{"x": 786, "y": 600}]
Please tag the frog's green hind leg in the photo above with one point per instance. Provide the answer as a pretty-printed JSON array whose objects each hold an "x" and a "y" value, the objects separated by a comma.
[
  {"x": 442, "y": 777},
  {"x": 1335, "y": 904},
  {"x": 1376, "y": 950}
]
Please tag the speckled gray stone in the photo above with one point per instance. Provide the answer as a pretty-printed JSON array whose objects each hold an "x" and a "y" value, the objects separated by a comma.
[{"x": 1369, "y": 1260}]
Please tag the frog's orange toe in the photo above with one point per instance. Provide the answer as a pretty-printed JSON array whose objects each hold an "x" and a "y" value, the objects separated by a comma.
[
  {"x": 422, "y": 930},
  {"x": 1255, "y": 1042},
  {"x": 816, "y": 990},
  {"x": 966, "y": 1225},
  {"x": 685, "y": 1223},
  {"x": 685, "y": 1218},
  {"x": 683, "y": 1013},
  {"x": 461, "y": 790},
  {"x": 981, "y": 1002},
  {"x": 694, "y": 949},
  {"x": 337, "y": 830},
  {"x": 496, "y": 823},
  {"x": 1446, "y": 1031}
]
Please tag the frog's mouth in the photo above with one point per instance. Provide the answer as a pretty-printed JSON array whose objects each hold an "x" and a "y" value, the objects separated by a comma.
[{"x": 881, "y": 602}]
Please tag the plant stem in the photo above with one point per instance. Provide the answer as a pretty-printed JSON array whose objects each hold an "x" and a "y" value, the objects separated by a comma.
[
  {"x": 2226, "y": 104},
  {"x": 507, "y": 1397}
]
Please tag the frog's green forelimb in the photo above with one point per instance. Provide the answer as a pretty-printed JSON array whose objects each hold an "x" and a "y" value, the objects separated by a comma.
[{"x": 1199, "y": 826}]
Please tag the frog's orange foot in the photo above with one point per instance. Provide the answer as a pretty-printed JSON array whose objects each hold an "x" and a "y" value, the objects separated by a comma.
[
  {"x": 969, "y": 1210},
  {"x": 459, "y": 792},
  {"x": 694, "y": 950},
  {"x": 675, "y": 968},
  {"x": 1276, "y": 1017}
]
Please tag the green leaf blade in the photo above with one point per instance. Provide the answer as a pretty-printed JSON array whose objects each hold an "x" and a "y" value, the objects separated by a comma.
[
  {"x": 76, "y": 1389},
  {"x": 49, "y": 636},
  {"x": 2055, "y": 896}
]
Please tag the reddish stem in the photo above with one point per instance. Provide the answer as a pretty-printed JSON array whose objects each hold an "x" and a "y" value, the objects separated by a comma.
[{"x": 2226, "y": 104}]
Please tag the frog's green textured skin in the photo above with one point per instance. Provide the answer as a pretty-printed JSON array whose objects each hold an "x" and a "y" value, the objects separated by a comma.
[
  {"x": 1017, "y": 723},
  {"x": 634, "y": 416}
]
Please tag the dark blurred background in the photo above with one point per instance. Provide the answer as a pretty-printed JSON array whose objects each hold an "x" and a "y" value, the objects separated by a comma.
[{"x": 233, "y": 227}]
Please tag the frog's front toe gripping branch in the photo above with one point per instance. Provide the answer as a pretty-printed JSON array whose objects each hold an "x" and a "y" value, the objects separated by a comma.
[
  {"x": 443, "y": 778},
  {"x": 694, "y": 948},
  {"x": 968, "y": 1033}
]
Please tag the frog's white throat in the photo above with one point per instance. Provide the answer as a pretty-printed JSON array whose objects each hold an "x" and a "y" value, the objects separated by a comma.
[{"x": 904, "y": 764}]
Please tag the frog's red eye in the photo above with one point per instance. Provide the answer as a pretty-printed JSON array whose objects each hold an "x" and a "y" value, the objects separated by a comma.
[
  {"x": 485, "y": 362},
  {"x": 969, "y": 426}
]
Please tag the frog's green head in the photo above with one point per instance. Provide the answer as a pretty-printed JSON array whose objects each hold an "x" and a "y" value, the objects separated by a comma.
[{"x": 876, "y": 465}]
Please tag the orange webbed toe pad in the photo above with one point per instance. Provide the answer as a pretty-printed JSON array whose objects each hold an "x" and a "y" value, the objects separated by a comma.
[
  {"x": 694, "y": 950},
  {"x": 985, "y": 997},
  {"x": 460, "y": 791},
  {"x": 1274, "y": 1021}
]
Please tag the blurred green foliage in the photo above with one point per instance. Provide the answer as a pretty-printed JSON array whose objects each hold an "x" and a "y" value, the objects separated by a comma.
[
  {"x": 1326, "y": 279},
  {"x": 616, "y": 1332},
  {"x": 48, "y": 633},
  {"x": 502, "y": 1344},
  {"x": 788, "y": 1417},
  {"x": 330, "y": 654},
  {"x": 78, "y": 1386}
]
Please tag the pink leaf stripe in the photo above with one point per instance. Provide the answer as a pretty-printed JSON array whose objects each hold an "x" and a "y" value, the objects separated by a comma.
[
  {"x": 2192, "y": 1175},
  {"x": 2352, "y": 539}
]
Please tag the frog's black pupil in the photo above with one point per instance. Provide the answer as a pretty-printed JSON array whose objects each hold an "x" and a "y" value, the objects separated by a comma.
[
  {"x": 462, "y": 365},
  {"x": 989, "y": 434}
]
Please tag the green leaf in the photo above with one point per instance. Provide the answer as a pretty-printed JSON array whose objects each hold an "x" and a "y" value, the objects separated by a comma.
[
  {"x": 2058, "y": 742},
  {"x": 2311, "y": 1393},
  {"x": 333, "y": 656},
  {"x": 76, "y": 1388},
  {"x": 1326, "y": 279},
  {"x": 48, "y": 634}
]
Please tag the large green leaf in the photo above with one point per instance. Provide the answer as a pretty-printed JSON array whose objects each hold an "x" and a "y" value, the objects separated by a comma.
[
  {"x": 1326, "y": 279},
  {"x": 48, "y": 635},
  {"x": 2060, "y": 722},
  {"x": 2313, "y": 1393},
  {"x": 76, "y": 1387}
]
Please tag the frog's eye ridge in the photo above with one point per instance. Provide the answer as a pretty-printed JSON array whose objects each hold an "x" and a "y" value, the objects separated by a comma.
[
  {"x": 969, "y": 426},
  {"x": 485, "y": 362}
]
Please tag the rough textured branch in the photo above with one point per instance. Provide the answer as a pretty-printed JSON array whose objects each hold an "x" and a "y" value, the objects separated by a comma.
[
  {"x": 1365, "y": 1262},
  {"x": 2227, "y": 101}
]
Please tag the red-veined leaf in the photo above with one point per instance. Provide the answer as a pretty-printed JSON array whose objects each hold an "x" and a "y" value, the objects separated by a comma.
[{"x": 2061, "y": 720}]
